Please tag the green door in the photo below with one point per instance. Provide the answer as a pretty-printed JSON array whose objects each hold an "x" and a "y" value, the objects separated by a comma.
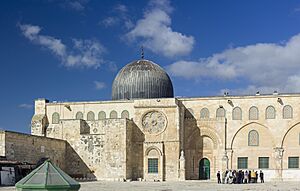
[{"x": 204, "y": 169}]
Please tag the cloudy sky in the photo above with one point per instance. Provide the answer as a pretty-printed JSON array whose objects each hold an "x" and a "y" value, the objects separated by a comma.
[{"x": 71, "y": 50}]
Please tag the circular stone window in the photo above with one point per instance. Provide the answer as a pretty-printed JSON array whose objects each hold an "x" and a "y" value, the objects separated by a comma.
[{"x": 154, "y": 122}]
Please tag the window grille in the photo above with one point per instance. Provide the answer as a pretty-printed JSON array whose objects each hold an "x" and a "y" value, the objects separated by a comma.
[
  {"x": 152, "y": 165},
  {"x": 242, "y": 162}
]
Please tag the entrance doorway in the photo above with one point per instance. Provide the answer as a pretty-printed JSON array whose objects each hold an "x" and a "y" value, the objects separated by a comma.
[{"x": 204, "y": 169}]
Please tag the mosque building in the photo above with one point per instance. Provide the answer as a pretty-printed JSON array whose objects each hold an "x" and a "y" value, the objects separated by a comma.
[{"x": 145, "y": 133}]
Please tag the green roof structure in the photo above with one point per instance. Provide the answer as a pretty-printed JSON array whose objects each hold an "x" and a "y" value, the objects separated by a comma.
[{"x": 47, "y": 177}]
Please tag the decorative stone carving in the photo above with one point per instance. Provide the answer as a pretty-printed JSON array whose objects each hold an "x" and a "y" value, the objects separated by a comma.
[
  {"x": 182, "y": 166},
  {"x": 154, "y": 122},
  {"x": 278, "y": 152}
]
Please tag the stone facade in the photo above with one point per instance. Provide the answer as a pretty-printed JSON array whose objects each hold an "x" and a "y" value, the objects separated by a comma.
[
  {"x": 166, "y": 139},
  {"x": 28, "y": 148}
]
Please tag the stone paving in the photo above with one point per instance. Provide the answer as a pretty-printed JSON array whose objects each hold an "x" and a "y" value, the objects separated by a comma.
[{"x": 179, "y": 186}]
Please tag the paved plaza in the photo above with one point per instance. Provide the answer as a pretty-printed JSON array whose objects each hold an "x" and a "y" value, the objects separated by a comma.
[{"x": 179, "y": 186}]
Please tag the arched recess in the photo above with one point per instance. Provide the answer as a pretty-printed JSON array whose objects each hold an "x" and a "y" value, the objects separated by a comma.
[
  {"x": 153, "y": 163},
  {"x": 79, "y": 115},
  {"x": 270, "y": 112},
  {"x": 253, "y": 113},
  {"x": 245, "y": 126},
  {"x": 237, "y": 113},
  {"x": 90, "y": 116},
  {"x": 113, "y": 114},
  {"x": 125, "y": 114},
  {"x": 290, "y": 144},
  {"x": 220, "y": 112},
  {"x": 55, "y": 118},
  {"x": 287, "y": 112},
  {"x": 288, "y": 131},
  {"x": 204, "y": 113},
  {"x": 207, "y": 132},
  {"x": 101, "y": 115},
  {"x": 153, "y": 148},
  {"x": 240, "y": 147}
]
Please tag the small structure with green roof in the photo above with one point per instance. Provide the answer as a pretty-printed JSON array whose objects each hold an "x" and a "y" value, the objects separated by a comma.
[{"x": 47, "y": 177}]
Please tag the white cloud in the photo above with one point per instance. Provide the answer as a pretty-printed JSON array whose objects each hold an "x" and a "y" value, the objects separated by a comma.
[
  {"x": 84, "y": 53},
  {"x": 110, "y": 21},
  {"x": 121, "y": 8},
  {"x": 25, "y": 106},
  {"x": 156, "y": 34},
  {"x": 266, "y": 66},
  {"x": 76, "y": 5},
  {"x": 121, "y": 16},
  {"x": 99, "y": 85}
]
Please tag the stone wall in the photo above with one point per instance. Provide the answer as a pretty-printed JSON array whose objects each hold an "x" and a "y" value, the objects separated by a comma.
[
  {"x": 159, "y": 129},
  {"x": 278, "y": 137},
  {"x": 28, "y": 148},
  {"x": 158, "y": 120},
  {"x": 104, "y": 149}
]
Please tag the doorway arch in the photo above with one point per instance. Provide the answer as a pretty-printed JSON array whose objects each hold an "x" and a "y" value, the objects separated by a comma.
[{"x": 204, "y": 169}]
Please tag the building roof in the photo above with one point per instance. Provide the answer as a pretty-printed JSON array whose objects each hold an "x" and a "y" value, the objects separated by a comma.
[{"x": 142, "y": 79}]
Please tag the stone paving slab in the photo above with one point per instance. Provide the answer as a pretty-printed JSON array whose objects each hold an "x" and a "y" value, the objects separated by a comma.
[{"x": 181, "y": 186}]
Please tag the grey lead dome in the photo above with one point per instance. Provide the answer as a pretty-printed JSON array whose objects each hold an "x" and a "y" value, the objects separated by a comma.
[{"x": 142, "y": 79}]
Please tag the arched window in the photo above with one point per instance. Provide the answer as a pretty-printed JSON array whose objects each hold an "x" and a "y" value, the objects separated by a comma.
[
  {"x": 55, "y": 118},
  {"x": 101, "y": 115},
  {"x": 253, "y": 138},
  {"x": 237, "y": 113},
  {"x": 189, "y": 113},
  {"x": 125, "y": 114},
  {"x": 220, "y": 112},
  {"x": 204, "y": 113},
  {"x": 153, "y": 160},
  {"x": 79, "y": 115},
  {"x": 90, "y": 116},
  {"x": 253, "y": 113},
  {"x": 113, "y": 115},
  {"x": 287, "y": 112},
  {"x": 270, "y": 112}
]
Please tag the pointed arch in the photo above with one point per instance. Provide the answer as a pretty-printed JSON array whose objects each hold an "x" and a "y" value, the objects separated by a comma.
[
  {"x": 204, "y": 113},
  {"x": 244, "y": 126},
  {"x": 288, "y": 132}
]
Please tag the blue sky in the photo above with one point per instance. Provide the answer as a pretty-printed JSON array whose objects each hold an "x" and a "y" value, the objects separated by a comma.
[{"x": 67, "y": 50}]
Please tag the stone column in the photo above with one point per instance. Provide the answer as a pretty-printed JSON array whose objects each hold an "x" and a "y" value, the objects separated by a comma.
[
  {"x": 181, "y": 166},
  {"x": 278, "y": 153},
  {"x": 225, "y": 161}
]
